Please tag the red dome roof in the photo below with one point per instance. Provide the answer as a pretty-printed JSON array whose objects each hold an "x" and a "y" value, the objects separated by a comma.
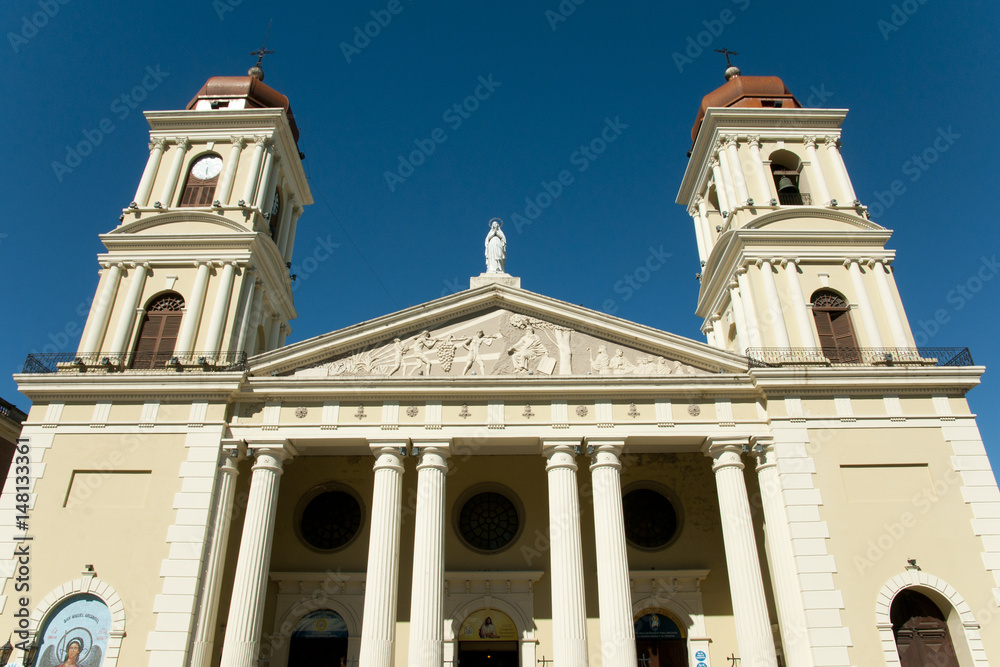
[{"x": 747, "y": 91}]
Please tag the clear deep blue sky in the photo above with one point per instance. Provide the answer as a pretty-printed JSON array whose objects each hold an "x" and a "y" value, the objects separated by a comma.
[{"x": 907, "y": 71}]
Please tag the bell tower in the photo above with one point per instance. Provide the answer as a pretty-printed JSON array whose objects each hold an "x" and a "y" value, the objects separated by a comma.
[
  {"x": 791, "y": 265},
  {"x": 196, "y": 271}
]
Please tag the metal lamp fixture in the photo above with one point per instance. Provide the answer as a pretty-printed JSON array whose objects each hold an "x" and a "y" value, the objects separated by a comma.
[{"x": 5, "y": 652}]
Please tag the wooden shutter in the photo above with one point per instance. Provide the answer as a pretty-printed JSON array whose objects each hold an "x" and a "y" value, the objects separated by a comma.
[
  {"x": 824, "y": 328},
  {"x": 198, "y": 192},
  {"x": 159, "y": 331},
  {"x": 847, "y": 346}
]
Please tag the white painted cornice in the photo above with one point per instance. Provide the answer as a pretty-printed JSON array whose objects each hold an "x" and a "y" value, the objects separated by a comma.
[
  {"x": 128, "y": 386},
  {"x": 875, "y": 380}
]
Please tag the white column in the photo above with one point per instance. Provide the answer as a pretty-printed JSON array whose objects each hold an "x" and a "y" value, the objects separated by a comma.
[
  {"x": 843, "y": 178},
  {"x": 737, "y": 168},
  {"x": 614, "y": 590},
  {"x": 221, "y": 308},
  {"x": 246, "y": 609},
  {"x": 290, "y": 242},
  {"x": 127, "y": 318},
  {"x": 225, "y": 189},
  {"x": 749, "y": 310},
  {"x": 261, "y": 145},
  {"x": 720, "y": 189},
  {"x": 816, "y": 178},
  {"x": 427, "y": 595},
  {"x": 781, "y": 559},
  {"x": 254, "y": 298},
  {"x": 283, "y": 332},
  {"x": 273, "y": 332},
  {"x": 215, "y": 558},
  {"x": 778, "y": 328},
  {"x": 874, "y": 338},
  {"x": 741, "y": 321},
  {"x": 102, "y": 312},
  {"x": 896, "y": 328},
  {"x": 763, "y": 182},
  {"x": 727, "y": 176},
  {"x": 569, "y": 606},
  {"x": 802, "y": 322},
  {"x": 170, "y": 187},
  {"x": 706, "y": 229},
  {"x": 287, "y": 205},
  {"x": 192, "y": 315},
  {"x": 378, "y": 629},
  {"x": 156, "y": 148},
  {"x": 268, "y": 180},
  {"x": 699, "y": 234},
  {"x": 753, "y": 628}
]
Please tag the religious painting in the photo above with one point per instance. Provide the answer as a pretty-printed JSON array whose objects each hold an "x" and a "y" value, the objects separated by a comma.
[
  {"x": 322, "y": 623},
  {"x": 657, "y": 624},
  {"x": 76, "y": 634},
  {"x": 488, "y": 624}
]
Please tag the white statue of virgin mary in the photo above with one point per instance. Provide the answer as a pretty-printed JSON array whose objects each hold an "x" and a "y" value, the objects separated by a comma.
[{"x": 496, "y": 248}]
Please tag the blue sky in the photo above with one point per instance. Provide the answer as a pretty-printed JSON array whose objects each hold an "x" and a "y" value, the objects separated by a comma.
[{"x": 558, "y": 73}]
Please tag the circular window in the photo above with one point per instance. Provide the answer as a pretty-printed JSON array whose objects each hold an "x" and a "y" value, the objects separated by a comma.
[
  {"x": 488, "y": 521},
  {"x": 330, "y": 520},
  {"x": 650, "y": 518}
]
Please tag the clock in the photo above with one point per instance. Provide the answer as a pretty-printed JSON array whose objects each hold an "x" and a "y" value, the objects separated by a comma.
[
  {"x": 206, "y": 168},
  {"x": 275, "y": 206}
]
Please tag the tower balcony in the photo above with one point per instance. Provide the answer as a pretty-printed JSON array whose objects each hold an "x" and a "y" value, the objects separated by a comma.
[
  {"x": 779, "y": 357},
  {"x": 134, "y": 362}
]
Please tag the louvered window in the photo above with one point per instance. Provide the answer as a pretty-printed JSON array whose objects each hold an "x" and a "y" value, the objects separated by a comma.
[
  {"x": 158, "y": 334},
  {"x": 833, "y": 324}
]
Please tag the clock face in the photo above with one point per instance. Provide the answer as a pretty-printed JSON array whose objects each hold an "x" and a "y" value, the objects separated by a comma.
[
  {"x": 207, "y": 168},
  {"x": 275, "y": 206}
]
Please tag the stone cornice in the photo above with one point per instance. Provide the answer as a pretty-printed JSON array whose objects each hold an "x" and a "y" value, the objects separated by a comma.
[
  {"x": 874, "y": 380},
  {"x": 128, "y": 386}
]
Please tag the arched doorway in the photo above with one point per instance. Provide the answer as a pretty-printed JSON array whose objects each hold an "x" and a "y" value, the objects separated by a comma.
[
  {"x": 659, "y": 639},
  {"x": 487, "y": 638},
  {"x": 319, "y": 638},
  {"x": 921, "y": 631},
  {"x": 77, "y": 629}
]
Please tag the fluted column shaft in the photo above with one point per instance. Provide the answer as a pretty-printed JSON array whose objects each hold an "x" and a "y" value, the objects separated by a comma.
[
  {"x": 170, "y": 187},
  {"x": 427, "y": 599},
  {"x": 156, "y": 149},
  {"x": 569, "y": 606},
  {"x": 255, "y": 297},
  {"x": 727, "y": 177},
  {"x": 739, "y": 179},
  {"x": 706, "y": 229},
  {"x": 220, "y": 310},
  {"x": 290, "y": 241},
  {"x": 268, "y": 177},
  {"x": 246, "y": 610},
  {"x": 817, "y": 179},
  {"x": 864, "y": 304},
  {"x": 274, "y": 332},
  {"x": 699, "y": 234},
  {"x": 225, "y": 190},
  {"x": 889, "y": 307},
  {"x": 102, "y": 313},
  {"x": 778, "y": 328},
  {"x": 215, "y": 559},
  {"x": 614, "y": 597},
  {"x": 254, "y": 174},
  {"x": 192, "y": 315},
  {"x": 741, "y": 321},
  {"x": 284, "y": 224},
  {"x": 378, "y": 629},
  {"x": 758, "y": 169},
  {"x": 802, "y": 322},
  {"x": 781, "y": 560},
  {"x": 720, "y": 188},
  {"x": 753, "y": 629},
  {"x": 749, "y": 310},
  {"x": 127, "y": 318},
  {"x": 843, "y": 178}
]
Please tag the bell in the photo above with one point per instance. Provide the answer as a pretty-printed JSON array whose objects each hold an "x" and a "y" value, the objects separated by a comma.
[{"x": 785, "y": 184}]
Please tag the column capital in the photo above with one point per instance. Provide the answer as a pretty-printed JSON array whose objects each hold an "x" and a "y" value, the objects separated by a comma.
[
  {"x": 730, "y": 140},
  {"x": 605, "y": 452},
  {"x": 742, "y": 271},
  {"x": 279, "y": 450},
  {"x": 850, "y": 260},
  {"x": 725, "y": 451},
  {"x": 432, "y": 453},
  {"x": 713, "y": 163},
  {"x": 263, "y": 142},
  {"x": 832, "y": 141},
  {"x": 753, "y": 141},
  {"x": 698, "y": 199},
  {"x": 733, "y": 285},
  {"x": 233, "y": 450},
  {"x": 237, "y": 140},
  {"x": 389, "y": 453},
  {"x": 183, "y": 143},
  {"x": 160, "y": 143},
  {"x": 809, "y": 142},
  {"x": 560, "y": 452},
  {"x": 762, "y": 447}
]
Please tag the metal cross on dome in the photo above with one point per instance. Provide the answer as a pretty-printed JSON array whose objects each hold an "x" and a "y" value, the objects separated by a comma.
[
  {"x": 726, "y": 52},
  {"x": 263, "y": 51}
]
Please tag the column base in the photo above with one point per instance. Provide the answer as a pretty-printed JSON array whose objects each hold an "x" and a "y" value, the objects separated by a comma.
[
  {"x": 376, "y": 652},
  {"x": 239, "y": 654}
]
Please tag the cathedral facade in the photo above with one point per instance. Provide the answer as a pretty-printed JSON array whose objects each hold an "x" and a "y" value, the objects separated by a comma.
[{"x": 498, "y": 477}]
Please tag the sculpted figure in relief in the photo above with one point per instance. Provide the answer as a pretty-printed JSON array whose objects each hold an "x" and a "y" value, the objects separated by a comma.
[
  {"x": 619, "y": 364},
  {"x": 496, "y": 248},
  {"x": 472, "y": 345},
  {"x": 422, "y": 344},
  {"x": 600, "y": 364},
  {"x": 529, "y": 347},
  {"x": 398, "y": 350}
]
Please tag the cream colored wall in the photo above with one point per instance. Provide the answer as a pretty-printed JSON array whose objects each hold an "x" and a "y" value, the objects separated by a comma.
[
  {"x": 86, "y": 524},
  {"x": 902, "y": 500}
]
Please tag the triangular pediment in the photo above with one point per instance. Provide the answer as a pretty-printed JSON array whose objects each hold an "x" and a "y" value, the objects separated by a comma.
[{"x": 494, "y": 331}]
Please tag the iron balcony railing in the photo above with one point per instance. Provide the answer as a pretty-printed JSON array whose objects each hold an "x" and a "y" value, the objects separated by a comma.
[
  {"x": 776, "y": 357},
  {"x": 134, "y": 362},
  {"x": 10, "y": 411}
]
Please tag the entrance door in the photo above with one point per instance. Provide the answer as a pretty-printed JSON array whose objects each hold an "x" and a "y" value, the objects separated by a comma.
[
  {"x": 487, "y": 654},
  {"x": 662, "y": 652},
  {"x": 317, "y": 652},
  {"x": 921, "y": 632}
]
